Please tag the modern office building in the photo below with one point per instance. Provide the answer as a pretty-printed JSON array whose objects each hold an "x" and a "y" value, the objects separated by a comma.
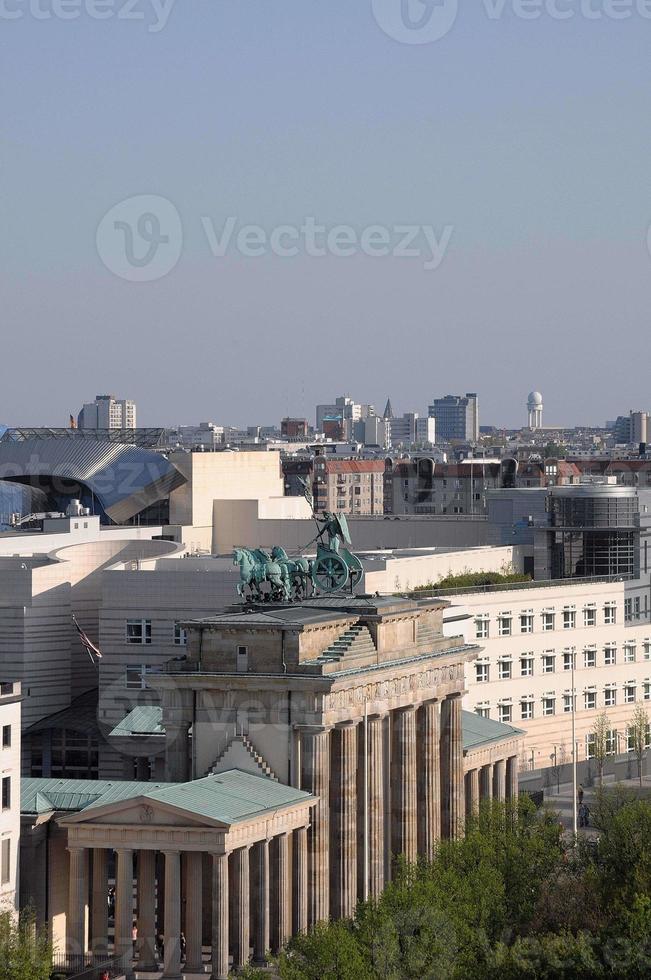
[
  {"x": 108, "y": 412},
  {"x": 457, "y": 417},
  {"x": 411, "y": 430}
]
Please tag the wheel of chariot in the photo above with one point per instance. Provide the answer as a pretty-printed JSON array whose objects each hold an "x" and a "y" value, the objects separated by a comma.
[{"x": 330, "y": 573}]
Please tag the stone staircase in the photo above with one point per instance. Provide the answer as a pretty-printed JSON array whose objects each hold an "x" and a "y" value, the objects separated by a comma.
[
  {"x": 229, "y": 758},
  {"x": 355, "y": 642}
]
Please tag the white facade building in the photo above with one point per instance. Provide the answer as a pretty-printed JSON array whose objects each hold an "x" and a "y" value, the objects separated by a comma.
[
  {"x": 108, "y": 412},
  {"x": 10, "y": 698},
  {"x": 531, "y": 637}
]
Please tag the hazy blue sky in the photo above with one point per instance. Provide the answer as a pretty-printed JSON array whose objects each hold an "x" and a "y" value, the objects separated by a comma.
[{"x": 528, "y": 140}]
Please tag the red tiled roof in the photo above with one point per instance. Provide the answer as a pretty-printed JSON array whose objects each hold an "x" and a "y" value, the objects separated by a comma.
[{"x": 354, "y": 466}]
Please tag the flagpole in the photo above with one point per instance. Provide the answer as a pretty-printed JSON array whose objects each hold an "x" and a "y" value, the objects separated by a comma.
[{"x": 574, "y": 786}]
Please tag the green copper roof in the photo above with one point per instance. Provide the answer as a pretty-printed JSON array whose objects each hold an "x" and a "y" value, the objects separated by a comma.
[
  {"x": 479, "y": 731},
  {"x": 143, "y": 720},
  {"x": 227, "y": 797}
]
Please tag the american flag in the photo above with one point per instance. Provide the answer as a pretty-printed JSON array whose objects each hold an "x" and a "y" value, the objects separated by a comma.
[{"x": 87, "y": 643}]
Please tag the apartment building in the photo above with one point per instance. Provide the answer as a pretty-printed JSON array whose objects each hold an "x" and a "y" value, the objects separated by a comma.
[
  {"x": 349, "y": 486},
  {"x": 10, "y": 699},
  {"x": 108, "y": 412},
  {"x": 535, "y": 639}
]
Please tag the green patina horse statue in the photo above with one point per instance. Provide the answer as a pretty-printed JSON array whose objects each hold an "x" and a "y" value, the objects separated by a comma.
[{"x": 257, "y": 567}]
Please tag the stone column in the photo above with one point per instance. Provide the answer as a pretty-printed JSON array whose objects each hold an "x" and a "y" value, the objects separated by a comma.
[
  {"x": 486, "y": 783},
  {"x": 376, "y": 805},
  {"x": 315, "y": 779},
  {"x": 124, "y": 909},
  {"x": 428, "y": 753},
  {"x": 193, "y": 861},
  {"x": 452, "y": 788},
  {"x": 499, "y": 780},
  {"x": 512, "y": 778},
  {"x": 241, "y": 908},
  {"x": 147, "y": 911},
  {"x": 77, "y": 901},
  {"x": 472, "y": 793},
  {"x": 99, "y": 908},
  {"x": 404, "y": 802},
  {"x": 177, "y": 753},
  {"x": 220, "y": 918},
  {"x": 283, "y": 896},
  {"x": 343, "y": 826},
  {"x": 300, "y": 901},
  {"x": 172, "y": 931},
  {"x": 261, "y": 934}
]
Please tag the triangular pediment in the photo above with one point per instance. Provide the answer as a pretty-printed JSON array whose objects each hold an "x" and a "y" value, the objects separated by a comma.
[{"x": 141, "y": 812}]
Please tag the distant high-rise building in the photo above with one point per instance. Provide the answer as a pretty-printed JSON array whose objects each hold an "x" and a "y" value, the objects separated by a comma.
[
  {"x": 388, "y": 411},
  {"x": 535, "y": 410},
  {"x": 108, "y": 412},
  {"x": 294, "y": 428},
  {"x": 457, "y": 417}
]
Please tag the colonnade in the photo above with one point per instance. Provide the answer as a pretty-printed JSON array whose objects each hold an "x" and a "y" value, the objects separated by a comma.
[
  {"x": 393, "y": 786},
  {"x": 497, "y": 780},
  {"x": 259, "y": 897}
]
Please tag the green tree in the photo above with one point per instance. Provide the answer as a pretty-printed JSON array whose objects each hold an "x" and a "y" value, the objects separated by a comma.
[
  {"x": 623, "y": 855},
  {"x": 639, "y": 735},
  {"x": 600, "y": 733},
  {"x": 25, "y": 953}
]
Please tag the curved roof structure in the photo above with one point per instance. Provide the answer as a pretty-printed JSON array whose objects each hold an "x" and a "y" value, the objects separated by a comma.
[{"x": 123, "y": 479}]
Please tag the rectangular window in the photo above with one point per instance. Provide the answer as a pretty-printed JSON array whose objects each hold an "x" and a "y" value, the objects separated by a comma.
[
  {"x": 549, "y": 663},
  {"x": 548, "y": 706},
  {"x": 139, "y": 631},
  {"x": 136, "y": 676},
  {"x": 548, "y": 618},
  {"x": 590, "y": 698},
  {"x": 482, "y": 626},
  {"x": 610, "y": 697},
  {"x": 526, "y": 710},
  {"x": 590, "y": 616},
  {"x": 505, "y": 713},
  {"x": 569, "y": 702},
  {"x": 482, "y": 673},
  {"x": 6, "y": 736},
  {"x": 629, "y": 693},
  {"x": 647, "y": 690},
  {"x": 611, "y": 742},
  {"x": 569, "y": 660},
  {"x": 6, "y": 792},
  {"x": 483, "y": 711},
  {"x": 610, "y": 613},
  {"x": 629, "y": 653},
  {"x": 180, "y": 635},
  {"x": 590, "y": 745},
  {"x": 242, "y": 660},
  {"x": 504, "y": 670},
  {"x": 526, "y": 665},
  {"x": 504, "y": 625},
  {"x": 610, "y": 655},
  {"x": 569, "y": 618},
  {"x": 589, "y": 657},
  {"x": 647, "y": 649},
  {"x": 526, "y": 621},
  {"x": 5, "y": 875}
]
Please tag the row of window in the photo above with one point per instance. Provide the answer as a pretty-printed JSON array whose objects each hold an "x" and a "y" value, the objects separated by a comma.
[
  {"x": 525, "y": 622},
  {"x": 547, "y": 705},
  {"x": 548, "y": 659},
  {"x": 612, "y": 741},
  {"x": 138, "y": 631}
]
